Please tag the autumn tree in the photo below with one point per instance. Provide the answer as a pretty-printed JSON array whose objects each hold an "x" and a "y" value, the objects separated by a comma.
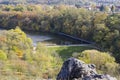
[
  {"x": 103, "y": 61},
  {"x": 15, "y": 42}
]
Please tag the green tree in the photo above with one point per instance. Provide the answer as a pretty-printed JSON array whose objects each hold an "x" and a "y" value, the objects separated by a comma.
[
  {"x": 113, "y": 8},
  {"x": 102, "y": 8}
]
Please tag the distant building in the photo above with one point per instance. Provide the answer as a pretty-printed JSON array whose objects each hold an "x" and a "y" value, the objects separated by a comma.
[{"x": 107, "y": 2}]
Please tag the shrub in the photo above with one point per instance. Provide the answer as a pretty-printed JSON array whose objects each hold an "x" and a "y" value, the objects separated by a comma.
[
  {"x": 104, "y": 62},
  {"x": 3, "y": 55},
  {"x": 49, "y": 62}
]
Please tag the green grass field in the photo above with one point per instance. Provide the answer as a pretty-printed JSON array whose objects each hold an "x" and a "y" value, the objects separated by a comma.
[{"x": 67, "y": 51}]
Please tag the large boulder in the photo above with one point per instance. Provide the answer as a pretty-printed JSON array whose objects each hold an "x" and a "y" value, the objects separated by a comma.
[{"x": 74, "y": 69}]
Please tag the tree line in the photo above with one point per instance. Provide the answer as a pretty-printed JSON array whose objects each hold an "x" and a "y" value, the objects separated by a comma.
[{"x": 48, "y": 2}]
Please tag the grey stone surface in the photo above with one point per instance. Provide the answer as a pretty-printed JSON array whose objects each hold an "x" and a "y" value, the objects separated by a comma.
[{"x": 74, "y": 69}]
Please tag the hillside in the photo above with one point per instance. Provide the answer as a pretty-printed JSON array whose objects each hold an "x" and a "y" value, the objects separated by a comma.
[
  {"x": 68, "y": 2},
  {"x": 50, "y": 2},
  {"x": 21, "y": 60}
]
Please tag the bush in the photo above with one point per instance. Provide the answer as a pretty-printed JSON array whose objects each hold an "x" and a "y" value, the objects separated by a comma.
[
  {"x": 49, "y": 63},
  {"x": 3, "y": 55},
  {"x": 103, "y": 61}
]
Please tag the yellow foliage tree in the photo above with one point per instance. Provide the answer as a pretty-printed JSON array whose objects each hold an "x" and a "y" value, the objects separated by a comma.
[
  {"x": 104, "y": 61},
  {"x": 3, "y": 55}
]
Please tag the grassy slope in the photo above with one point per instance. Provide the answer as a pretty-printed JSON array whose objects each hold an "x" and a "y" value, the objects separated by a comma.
[{"x": 66, "y": 51}]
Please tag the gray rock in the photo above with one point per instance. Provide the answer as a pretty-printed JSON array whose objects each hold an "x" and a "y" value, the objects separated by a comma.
[{"x": 74, "y": 69}]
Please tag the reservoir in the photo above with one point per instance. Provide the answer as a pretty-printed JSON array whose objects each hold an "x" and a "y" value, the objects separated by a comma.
[{"x": 50, "y": 39}]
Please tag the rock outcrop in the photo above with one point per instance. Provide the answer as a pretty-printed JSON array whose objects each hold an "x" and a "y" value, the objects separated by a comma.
[{"x": 74, "y": 69}]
